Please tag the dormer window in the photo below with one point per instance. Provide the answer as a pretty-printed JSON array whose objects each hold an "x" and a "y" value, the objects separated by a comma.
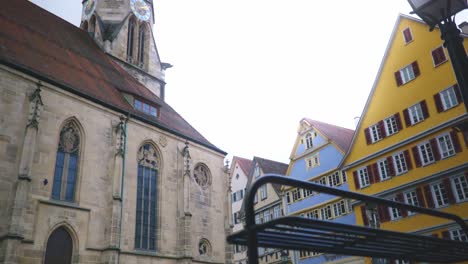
[
  {"x": 145, "y": 108},
  {"x": 256, "y": 171}
]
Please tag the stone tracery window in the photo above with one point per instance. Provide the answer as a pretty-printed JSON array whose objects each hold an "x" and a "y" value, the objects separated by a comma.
[
  {"x": 66, "y": 164},
  {"x": 146, "y": 209},
  {"x": 202, "y": 176}
]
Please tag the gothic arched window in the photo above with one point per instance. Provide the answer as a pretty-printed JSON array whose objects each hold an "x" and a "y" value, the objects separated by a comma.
[
  {"x": 141, "y": 45},
  {"x": 130, "y": 39},
  {"x": 146, "y": 209},
  {"x": 66, "y": 163}
]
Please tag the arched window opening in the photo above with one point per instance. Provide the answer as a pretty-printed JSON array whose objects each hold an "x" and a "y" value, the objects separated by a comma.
[
  {"x": 141, "y": 45},
  {"x": 84, "y": 25},
  {"x": 92, "y": 24},
  {"x": 130, "y": 39},
  {"x": 66, "y": 164},
  {"x": 146, "y": 209},
  {"x": 59, "y": 247}
]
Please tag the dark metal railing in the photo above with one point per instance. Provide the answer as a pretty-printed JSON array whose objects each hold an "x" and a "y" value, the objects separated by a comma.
[{"x": 358, "y": 245}]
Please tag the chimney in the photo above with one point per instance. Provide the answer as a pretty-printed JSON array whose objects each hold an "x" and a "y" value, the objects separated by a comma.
[{"x": 464, "y": 27}]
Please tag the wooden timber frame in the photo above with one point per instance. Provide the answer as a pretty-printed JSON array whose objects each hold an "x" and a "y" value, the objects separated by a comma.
[{"x": 300, "y": 233}]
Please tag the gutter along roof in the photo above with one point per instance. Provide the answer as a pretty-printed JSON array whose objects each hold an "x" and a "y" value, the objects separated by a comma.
[{"x": 47, "y": 47}]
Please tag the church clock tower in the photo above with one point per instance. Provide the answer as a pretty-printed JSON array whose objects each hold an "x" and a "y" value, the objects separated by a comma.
[{"x": 123, "y": 29}]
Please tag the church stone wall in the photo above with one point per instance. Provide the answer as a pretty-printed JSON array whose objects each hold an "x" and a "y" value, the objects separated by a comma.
[{"x": 184, "y": 217}]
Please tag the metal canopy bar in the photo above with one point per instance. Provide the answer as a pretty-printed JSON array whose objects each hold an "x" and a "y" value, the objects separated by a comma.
[{"x": 299, "y": 233}]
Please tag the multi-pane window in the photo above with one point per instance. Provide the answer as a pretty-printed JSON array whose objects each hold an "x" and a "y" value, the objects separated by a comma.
[
  {"x": 313, "y": 161},
  {"x": 375, "y": 133},
  {"x": 439, "y": 194},
  {"x": 309, "y": 141},
  {"x": 263, "y": 192},
  {"x": 66, "y": 163},
  {"x": 395, "y": 213},
  {"x": 448, "y": 98},
  {"x": 314, "y": 214},
  {"x": 438, "y": 56},
  {"x": 460, "y": 185},
  {"x": 326, "y": 212},
  {"x": 400, "y": 163},
  {"x": 384, "y": 170},
  {"x": 458, "y": 234},
  {"x": 145, "y": 108},
  {"x": 391, "y": 126},
  {"x": 363, "y": 177},
  {"x": 343, "y": 176},
  {"x": 276, "y": 211},
  {"x": 411, "y": 197},
  {"x": 408, "y": 37},
  {"x": 339, "y": 208},
  {"x": 266, "y": 216},
  {"x": 323, "y": 181},
  {"x": 425, "y": 153},
  {"x": 296, "y": 194},
  {"x": 334, "y": 179},
  {"x": 446, "y": 147},
  {"x": 258, "y": 219},
  {"x": 407, "y": 74},
  {"x": 145, "y": 226},
  {"x": 307, "y": 192},
  {"x": 415, "y": 113}
]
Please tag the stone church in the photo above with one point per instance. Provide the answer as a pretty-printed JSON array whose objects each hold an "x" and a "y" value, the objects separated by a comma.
[{"x": 95, "y": 166}]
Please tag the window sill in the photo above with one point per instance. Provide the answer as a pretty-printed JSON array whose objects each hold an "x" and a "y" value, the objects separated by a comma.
[
  {"x": 437, "y": 65},
  {"x": 64, "y": 204}
]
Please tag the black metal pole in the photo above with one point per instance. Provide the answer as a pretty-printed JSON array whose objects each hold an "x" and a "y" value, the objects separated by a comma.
[{"x": 454, "y": 45}]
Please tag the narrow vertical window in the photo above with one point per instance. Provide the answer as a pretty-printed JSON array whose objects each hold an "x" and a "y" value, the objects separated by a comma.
[
  {"x": 145, "y": 226},
  {"x": 309, "y": 140},
  {"x": 407, "y": 35},
  {"x": 66, "y": 163},
  {"x": 130, "y": 39},
  {"x": 438, "y": 56},
  {"x": 141, "y": 45}
]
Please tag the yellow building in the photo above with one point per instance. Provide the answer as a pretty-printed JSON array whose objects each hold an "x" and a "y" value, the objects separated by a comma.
[{"x": 408, "y": 145}]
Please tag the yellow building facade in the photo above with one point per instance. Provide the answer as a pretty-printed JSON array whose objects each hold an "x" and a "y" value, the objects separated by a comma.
[{"x": 408, "y": 145}]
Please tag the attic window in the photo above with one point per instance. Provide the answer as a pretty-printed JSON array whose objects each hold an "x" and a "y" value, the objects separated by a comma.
[{"x": 145, "y": 108}]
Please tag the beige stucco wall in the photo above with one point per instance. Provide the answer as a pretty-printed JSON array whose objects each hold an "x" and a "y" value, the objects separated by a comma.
[{"x": 89, "y": 219}]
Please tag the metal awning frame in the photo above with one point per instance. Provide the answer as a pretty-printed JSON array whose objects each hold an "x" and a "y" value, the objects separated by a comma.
[{"x": 299, "y": 233}]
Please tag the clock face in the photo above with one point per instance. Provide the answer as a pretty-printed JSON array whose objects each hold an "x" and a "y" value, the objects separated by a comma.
[
  {"x": 141, "y": 9},
  {"x": 88, "y": 8}
]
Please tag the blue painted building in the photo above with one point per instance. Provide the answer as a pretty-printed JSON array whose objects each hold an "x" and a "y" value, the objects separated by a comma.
[{"x": 316, "y": 155}]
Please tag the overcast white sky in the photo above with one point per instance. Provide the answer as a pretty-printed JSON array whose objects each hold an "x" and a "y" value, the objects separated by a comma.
[{"x": 247, "y": 71}]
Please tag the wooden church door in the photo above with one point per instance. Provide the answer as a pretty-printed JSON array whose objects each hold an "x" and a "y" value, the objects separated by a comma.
[{"x": 59, "y": 247}]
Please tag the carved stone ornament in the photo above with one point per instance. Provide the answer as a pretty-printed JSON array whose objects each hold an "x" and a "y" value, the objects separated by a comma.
[
  {"x": 204, "y": 247},
  {"x": 35, "y": 107},
  {"x": 202, "y": 176},
  {"x": 69, "y": 138},
  {"x": 163, "y": 141},
  {"x": 148, "y": 157}
]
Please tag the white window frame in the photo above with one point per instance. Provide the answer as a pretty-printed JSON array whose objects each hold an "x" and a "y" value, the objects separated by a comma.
[
  {"x": 334, "y": 179},
  {"x": 415, "y": 113},
  {"x": 445, "y": 144},
  {"x": 344, "y": 178},
  {"x": 323, "y": 181},
  {"x": 363, "y": 176},
  {"x": 407, "y": 74},
  {"x": 391, "y": 126},
  {"x": 309, "y": 141},
  {"x": 460, "y": 188},
  {"x": 384, "y": 169},
  {"x": 266, "y": 216},
  {"x": 411, "y": 197},
  {"x": 458, "y": 234},
  {"x": 399, "y": 163},
  {"x": 448, "y": 98},
  {"x": 276, "y": 212},
  {"x": 296, "y": 195},
  {"x": 375, "y": 133},
  {"x": 439, "y": 194},
  {"x": 395, "y": 213},
  {"x": 426, "y": 154},
  {"x": 263, "y": 192},
  {"x": 326, "y": 212}
]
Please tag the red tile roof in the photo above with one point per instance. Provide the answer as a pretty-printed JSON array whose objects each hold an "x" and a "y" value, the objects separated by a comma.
[
  {"x": 340, "y": 135},
  {"x": 43, "y": 45}
]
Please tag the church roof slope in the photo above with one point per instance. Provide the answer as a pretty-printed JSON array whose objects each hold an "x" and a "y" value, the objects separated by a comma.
[
  {"x": 341, "y": 136},
  {"x": 46, "y": 47}
]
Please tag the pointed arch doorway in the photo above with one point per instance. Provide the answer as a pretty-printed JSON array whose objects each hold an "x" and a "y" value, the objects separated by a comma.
[{"x": 59, "y": 247}]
